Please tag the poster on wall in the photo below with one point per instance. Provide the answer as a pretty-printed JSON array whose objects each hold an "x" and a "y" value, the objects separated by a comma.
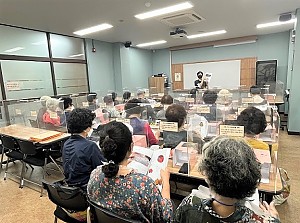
[
  {"x": 13, "y": 86},
  {"x": 177, "y": 76},
  {"x": 266, "y": 73}
]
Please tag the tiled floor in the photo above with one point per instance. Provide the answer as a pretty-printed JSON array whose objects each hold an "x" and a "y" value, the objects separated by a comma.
[{"x": 26, "y": 206}]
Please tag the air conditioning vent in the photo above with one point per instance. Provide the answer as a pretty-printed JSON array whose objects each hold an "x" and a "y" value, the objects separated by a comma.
[{"x": 182, "y": 19}]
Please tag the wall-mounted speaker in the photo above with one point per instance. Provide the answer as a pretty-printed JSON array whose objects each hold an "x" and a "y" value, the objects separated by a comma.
[
  {"x": 127, "y": 44},
  {"x": 285, "y": 17}
]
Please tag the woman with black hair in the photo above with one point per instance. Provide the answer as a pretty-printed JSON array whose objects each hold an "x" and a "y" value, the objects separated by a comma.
[
  {"x": 140, "y": 127},
  {"x": 121, "y": 190},
  {"x": 254, "y": 122},
  {"x": 232, "y": 173},
  {"x": 80, "y": 156}
]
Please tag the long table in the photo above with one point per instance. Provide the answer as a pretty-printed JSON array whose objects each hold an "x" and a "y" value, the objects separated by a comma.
[
  {"x": 195, "y": 178},
  {"x": 29, "y": 133}
]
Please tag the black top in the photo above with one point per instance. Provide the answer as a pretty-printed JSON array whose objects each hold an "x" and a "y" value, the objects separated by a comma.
[{"x": 80, "y": 158}]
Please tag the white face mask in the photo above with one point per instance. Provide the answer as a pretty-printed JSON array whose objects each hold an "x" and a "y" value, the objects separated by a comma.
[{"x": 97, "y": 101}]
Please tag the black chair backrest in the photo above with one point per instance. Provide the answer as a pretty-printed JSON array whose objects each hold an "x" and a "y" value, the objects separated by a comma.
[
  {"x": 27, "y": 147},
  {"x": 33, "y": 123},
  {"x": 8, "y": 142},
  {"x": 71, "y": 198},
  {"x": 102, "y": 215}
]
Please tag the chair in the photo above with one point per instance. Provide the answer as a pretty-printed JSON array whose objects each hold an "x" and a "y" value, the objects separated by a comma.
[
  {"x": 32, "y": 155},
  {"x": 2, "y": 152},
  {"x": 11, "y": 150},
  {"x": 33, "y": 123},
  {"x": 70, "y": 198},
  {"x": 102, "y": 215}
]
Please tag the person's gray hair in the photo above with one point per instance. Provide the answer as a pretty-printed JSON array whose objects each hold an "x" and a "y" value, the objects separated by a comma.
[
  {"x": 44, "y": 99},
  {"x": 231, "y": 167},
  {"x": 52, "y": 104}
]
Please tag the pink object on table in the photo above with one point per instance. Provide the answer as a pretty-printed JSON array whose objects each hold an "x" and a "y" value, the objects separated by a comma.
[{"x": 139, "y": 140}]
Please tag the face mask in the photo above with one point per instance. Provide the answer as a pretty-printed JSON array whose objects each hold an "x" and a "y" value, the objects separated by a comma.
[{"x": 97, "y": 101}]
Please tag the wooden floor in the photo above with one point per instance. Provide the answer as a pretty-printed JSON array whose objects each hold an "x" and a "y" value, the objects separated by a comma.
[{"x": 26, "y": 206}]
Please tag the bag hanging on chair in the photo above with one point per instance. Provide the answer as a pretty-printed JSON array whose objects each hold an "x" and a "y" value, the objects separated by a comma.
[{"x": 281, "y": 198}]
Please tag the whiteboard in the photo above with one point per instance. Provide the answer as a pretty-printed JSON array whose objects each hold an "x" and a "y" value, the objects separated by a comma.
[{"x": 225, "y": 74}]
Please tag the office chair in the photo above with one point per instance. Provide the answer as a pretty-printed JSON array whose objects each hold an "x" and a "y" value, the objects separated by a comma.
[
  {"x": 12, "y": 152},
  {"x": 102, "y": 215},
  {"x": 70, "y": 198},
  {"x": 34, "y": 156}
]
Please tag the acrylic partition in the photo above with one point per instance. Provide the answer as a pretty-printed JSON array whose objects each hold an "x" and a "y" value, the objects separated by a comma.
[
  {"x": 135, "y": 117},
  {"x": 31, "y": 114}
]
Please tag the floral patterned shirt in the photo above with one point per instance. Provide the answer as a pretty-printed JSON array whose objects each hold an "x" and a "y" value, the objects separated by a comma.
[
  {"x": 194, "y": 209},
  {"x": 134, "y": 196}
]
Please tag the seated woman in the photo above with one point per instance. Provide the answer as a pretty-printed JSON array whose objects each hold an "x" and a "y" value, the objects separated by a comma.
[
  {"x": 116, "y": 187},
  {"x": 209, "y": 98},
  {"x": 110, "y": 108},
  {"x": 68, "y": 107},
  {"x": 166, "y": 100},
  {"x": 80, "y": 156},
  {"x": 51, "y": 118},
  {"x": 177, "y": 113},
  {"x": 42, "y": 111},
  {"x": 254, "y": 122},
  {"x": 126, "y": 96},
  {"x": 140, "y": 127},
  {"x": 232, "y": 173},
  {"x": 258, "y": 101}
]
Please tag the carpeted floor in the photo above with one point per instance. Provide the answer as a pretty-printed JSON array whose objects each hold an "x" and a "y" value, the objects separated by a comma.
[{"x": 26, "y": 206}]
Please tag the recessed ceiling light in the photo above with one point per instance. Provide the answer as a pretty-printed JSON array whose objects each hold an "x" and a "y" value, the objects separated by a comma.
[
  {"x": 206, "y": 34},
  {"x": 164, "y": 11},
  {"x": 93, "y": 29},
  {"x": 151, "y": 43},
  {"x": 77, "y": 55},
  {"x": 39, "y": 43},
  {"x": 14, "y": 49},
  {"x": 270, "y": 24}
]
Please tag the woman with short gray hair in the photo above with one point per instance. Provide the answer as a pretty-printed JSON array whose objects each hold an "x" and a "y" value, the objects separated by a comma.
[{"x": 232, "y": 173}]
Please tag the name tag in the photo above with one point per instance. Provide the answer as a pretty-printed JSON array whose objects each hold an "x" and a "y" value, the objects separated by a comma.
[
  {"x": 231, "y": 130},
  {"x": 169, "y": 126}
]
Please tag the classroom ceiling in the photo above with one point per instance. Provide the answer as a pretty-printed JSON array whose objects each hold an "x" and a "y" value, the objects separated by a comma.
[{"x": 237, "y": 17}]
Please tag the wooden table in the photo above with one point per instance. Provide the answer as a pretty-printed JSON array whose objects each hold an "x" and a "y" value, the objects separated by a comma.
[
  {"x": 195, "y": 178},
  {"x": 27, "y": 133}
]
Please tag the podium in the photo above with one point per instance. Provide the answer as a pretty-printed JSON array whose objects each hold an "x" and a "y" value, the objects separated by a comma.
[{"x": 156, "y": 85}]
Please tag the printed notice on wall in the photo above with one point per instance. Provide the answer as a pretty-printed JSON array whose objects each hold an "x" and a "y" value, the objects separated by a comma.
[
  {"x": 18, "y": 111},
  {"x": 231, "y": 130},
  {"x": 177, "y": 76},
  {"x": 13, "y": 86},
  {"x": 203, "y": 109},
  {"x": 169, "y": 126},
  {"x": 33, "y": 113}
]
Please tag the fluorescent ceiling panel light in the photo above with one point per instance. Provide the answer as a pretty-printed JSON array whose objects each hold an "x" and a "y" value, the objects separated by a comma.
[
  {"x": 77, "y": 55},
  {"x": 93, "y": 29},
  {"x": 14, "y": 49},
  {"x": 236, "y": 43},
  {"x": 271, "y": 24},
  {"x": 151, "y": 43},
  {"x": 206, "y": 34},
  {"x": 164, "y": 11}
]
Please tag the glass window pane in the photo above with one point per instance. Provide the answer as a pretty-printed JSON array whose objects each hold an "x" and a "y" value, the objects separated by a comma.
[
  {"x": 70, "y": 78},
  {"x": 22, "y": 42},
  {"x": 67, "y": 47},
  {"x": 25, "y": 79}
]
